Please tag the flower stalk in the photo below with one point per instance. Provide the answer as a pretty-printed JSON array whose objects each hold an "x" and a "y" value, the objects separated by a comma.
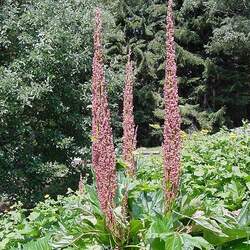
[
  {"x": 103, "y": 151},
  {"x": 172, "y": 140},
  {"x": 129, "y": 131}
]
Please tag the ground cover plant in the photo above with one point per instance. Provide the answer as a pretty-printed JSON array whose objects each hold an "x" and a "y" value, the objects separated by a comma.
[{"x": 212, "y": 210}]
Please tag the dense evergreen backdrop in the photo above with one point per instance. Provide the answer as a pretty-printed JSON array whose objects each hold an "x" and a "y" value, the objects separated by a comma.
[{"x": 45, "y": 77}]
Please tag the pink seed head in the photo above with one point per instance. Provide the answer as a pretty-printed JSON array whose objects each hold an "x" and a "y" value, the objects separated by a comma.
[
  {"x": 172, "y": 141},
  {"x": 129, "y": 131},
  {"x": 103, "y": 151}
]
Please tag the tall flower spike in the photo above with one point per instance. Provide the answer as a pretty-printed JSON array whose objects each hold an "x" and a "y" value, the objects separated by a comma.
[
  {"x": 172, "y": 143},
  {"x": 129, "y": 132},
  {"x": 103, "y": 151}
]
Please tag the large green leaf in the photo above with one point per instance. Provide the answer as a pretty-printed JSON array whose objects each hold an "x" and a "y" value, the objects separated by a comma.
[
  {"x": 190, "y": 242},
  {"x": 173, "y": 242},
  {"x": 134, "y": 227},
  {"x": 161, "y": 227},
  {"x": 244, "y": 217},
  {"x": 232, "y": 235},
  {"x": 208, "y": 224},
  {"x": 157, "y": 244},
  {"x": 40, "y": 244}
]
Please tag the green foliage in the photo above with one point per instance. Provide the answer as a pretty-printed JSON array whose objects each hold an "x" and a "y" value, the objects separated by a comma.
[
  {"x": 45, "y": 76},
  {"x": 212, "y": 46},
  {"x": 45, "y": 94},
  {"x": 202, "y": 218},
  {"x": 214, "y": 167},
  {"x": 220, "y": 167}
]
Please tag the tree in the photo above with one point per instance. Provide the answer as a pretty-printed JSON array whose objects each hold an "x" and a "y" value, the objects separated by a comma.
[
  {"x": 208, "y": 77},
  {"x": 45, "y": 94}
]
